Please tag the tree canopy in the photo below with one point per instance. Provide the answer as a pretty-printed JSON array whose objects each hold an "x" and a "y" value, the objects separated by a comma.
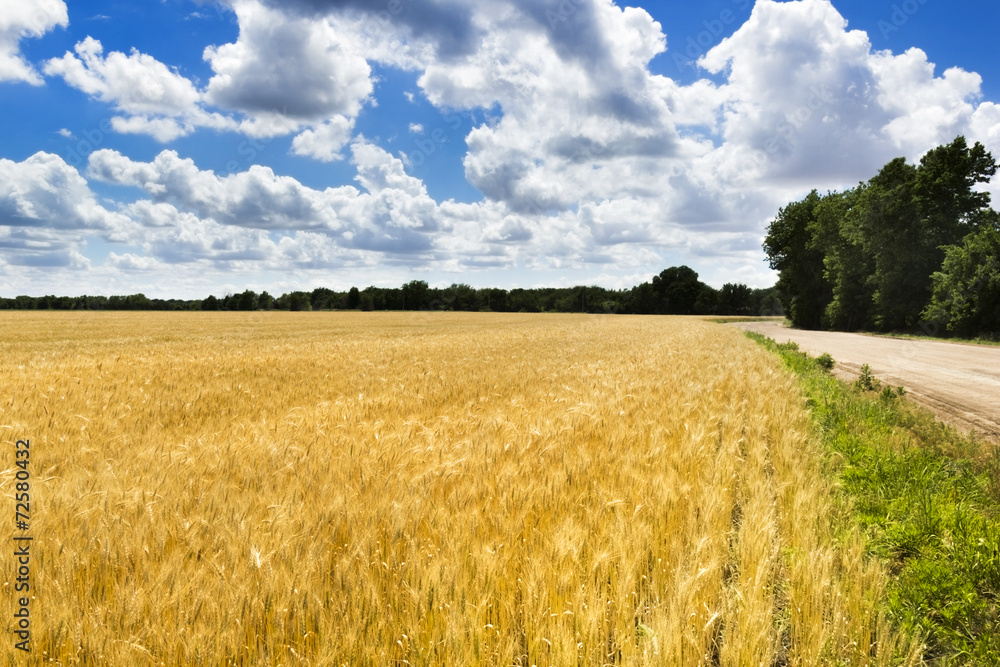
[
  {"x": 675, "y": 291},
  {"x": 907, "y": 250}
]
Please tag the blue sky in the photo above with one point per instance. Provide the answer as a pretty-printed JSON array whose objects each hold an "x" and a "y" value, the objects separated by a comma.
[{"x": 183, "y": 148}]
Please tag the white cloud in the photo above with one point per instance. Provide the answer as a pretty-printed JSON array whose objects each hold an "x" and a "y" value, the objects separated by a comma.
[
  {"x": 395, "y": 214},
  {"x": 157, "y": 100},
  {"x": 132, "y": 263},
  {"x": 297, "y": 68},
  {"x": 400, "y": 32},
  {"x": 46, "y": 212},
  {"x": 170, "y": 236},
  {"x": 179, "y": 237},
  {"x": 582, "y": 114},
  {"x": 325, "y": 141},
  {"x": 256, "y": 198},
  {"x": 926, "y": 110},
  {"x": 283, "y": 75},
  {"x": 21, "y": 19},
  {"x": 256, "y": 216},
  {"x": 136, "y": 83},
  {"x": 378, "y": 171},
  {"x": 986, "y": 126},
  {"x": 45, "y": 192},
  {"x": 586, "y": 158},
  {"x": 809, "y": 102}
]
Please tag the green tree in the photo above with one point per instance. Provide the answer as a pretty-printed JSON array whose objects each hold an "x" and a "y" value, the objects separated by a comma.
[
  {"x": 676, "y": 290},
  {"x": 865, "y": 257},
  {"x": 735, "y": 299},
  {"x": 366, "y": 302},
  {"x": 838, "y": 233},
  {"x": 137, "y": 302},
  {"x": 524, "y": 301},
  {"x": 493, "y": 299},
  {"x": 949, "y": 204},
  {"x": 265, "y": 301},
  {"x": 353, "y": 298},
  {"x": 966, "y": 296},
  {"x": 416, "y": 295},
  {"x": 297, "y": 301},
  {"x": 323, "y": 298},
  {"x": 791, "y": 251},
  {"x": 766, "y": 301},
  {"x": 707, "y": 301},
  {"x": 912, "y": 212},
  {"x": 247, "y": 301},
  {"x": 460, "y": 297},
  {"x": 885, "y": 220}
]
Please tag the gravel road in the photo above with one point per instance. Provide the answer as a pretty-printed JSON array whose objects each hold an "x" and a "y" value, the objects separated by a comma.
[{"x": 959, "y": 383}]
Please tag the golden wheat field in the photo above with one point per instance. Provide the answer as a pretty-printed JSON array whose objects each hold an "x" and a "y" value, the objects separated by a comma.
[{"x": 421, "y": 489}]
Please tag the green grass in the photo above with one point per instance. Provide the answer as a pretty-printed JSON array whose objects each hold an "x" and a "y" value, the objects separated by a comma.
[{"x": 928, "y": 500}]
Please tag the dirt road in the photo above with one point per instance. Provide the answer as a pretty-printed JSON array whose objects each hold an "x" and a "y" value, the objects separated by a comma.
[{"x": 959, "y": 383}]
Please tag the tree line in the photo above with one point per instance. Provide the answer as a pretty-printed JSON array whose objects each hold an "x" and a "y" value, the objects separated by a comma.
[
  {"x": 675, "y": 291},
  {"x": 914, "y": 249}
]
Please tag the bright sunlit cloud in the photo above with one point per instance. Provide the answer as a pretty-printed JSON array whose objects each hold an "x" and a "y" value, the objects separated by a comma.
[{"x": 205, "y": 148}]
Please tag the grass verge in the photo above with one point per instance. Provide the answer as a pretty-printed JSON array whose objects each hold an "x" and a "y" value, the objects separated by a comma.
[{"x": 928, "y": 500}]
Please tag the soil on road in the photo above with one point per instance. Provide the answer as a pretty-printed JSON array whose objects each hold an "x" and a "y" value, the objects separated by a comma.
[{"x": 960, "y": 383}]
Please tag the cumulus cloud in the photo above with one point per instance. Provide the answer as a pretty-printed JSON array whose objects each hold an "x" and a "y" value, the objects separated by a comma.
[
  {"x": 44, "y": 191},
  {"x": 26, "y": 18},
  {"x": 47, "y": 210},
  {"x": 378, "y": 171},
  {"x": 325, "y": 141},
  {"x": 258, "y": 218},
  {"x": 178, "y": 236},
  {"x": 808, "y": 101},
  {"x": 579, "y": 116},
  {"x": 448, "y": 25},
  {"x": 283, "y": 75},
  {"x": 925, "y": 109},
  {"x": 297, "y": 68},
  {"x": 394, "y": 214},
  {"x": 157, "y": 100},
  {"x": 586, "y": 158},
  {"x": 572, "y": 82},
  {"x": 135, "y": 83},
  {"x": 256, "y": 198},
  {"x": 169, "y": 236}
]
